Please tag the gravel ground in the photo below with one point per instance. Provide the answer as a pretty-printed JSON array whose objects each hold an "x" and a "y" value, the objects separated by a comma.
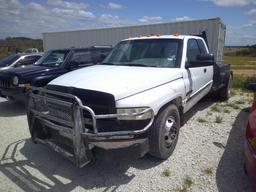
[{"x": 208, "y": 157}]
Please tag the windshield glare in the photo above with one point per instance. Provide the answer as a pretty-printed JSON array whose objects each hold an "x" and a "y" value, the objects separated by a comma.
[
  {"x": 8, "y": 60},
  {"x": 146, "y": 52},
  {"x": 53, "y": 58}
]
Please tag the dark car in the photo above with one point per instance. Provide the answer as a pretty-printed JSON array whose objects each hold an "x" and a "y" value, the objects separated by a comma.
[
  {"x": 18, "y": 60},
  {"x": 15, "y": 82},
  {"x": 250, "y": 142}
]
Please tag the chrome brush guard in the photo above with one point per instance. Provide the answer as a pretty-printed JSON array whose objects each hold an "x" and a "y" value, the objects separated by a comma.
[{"x": 63, "y": 112}]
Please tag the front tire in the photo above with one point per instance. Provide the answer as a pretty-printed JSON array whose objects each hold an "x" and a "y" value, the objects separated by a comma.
[{"x": 164, "y": 132}]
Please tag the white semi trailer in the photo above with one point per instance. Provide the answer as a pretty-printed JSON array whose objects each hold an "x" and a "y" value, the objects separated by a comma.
[{"x": 214, "y": 29}]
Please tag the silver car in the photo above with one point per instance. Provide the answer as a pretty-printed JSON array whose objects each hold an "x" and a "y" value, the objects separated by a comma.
[{"x": 18, "y": 60}]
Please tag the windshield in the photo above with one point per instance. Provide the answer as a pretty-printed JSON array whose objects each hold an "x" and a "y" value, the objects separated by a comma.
[
  {"x": 8, "y": 60},
  {"x": 146, "y": 53},
  {"x": 53, "y": 58}
]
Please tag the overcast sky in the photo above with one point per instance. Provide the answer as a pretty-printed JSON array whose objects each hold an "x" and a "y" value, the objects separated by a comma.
[{"x": 30, "y": 18}]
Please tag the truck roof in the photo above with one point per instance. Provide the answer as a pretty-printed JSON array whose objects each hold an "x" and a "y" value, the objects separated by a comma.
[{"x": 162, "y": 37}]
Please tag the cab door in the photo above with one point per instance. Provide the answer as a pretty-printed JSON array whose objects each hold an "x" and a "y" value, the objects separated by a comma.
[{"x": 200, "y": 77}]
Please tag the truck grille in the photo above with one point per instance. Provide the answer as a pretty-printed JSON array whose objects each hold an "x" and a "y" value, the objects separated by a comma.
[
  {"x": 100, "y": 103},
  {"x": 5, "y": 83},
  {"x": 55, "y": 110},
  {"x": 60, "y": 112}
]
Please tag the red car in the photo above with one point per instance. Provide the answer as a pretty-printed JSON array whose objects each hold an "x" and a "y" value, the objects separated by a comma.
[{"x": 250, "y": 142}]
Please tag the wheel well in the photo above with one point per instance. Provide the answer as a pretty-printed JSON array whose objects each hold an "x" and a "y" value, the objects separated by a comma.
[{"x": 178, "y": 102}]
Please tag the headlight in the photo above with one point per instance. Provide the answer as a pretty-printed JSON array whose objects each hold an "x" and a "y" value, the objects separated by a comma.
[
  {"x": 15, "y": 80},
  {"x": 130, "y": 113}
]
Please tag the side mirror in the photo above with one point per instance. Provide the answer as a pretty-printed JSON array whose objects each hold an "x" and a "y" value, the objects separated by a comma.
[
  {"x": 202, "y": 60},
  {"x": 205, "y": 60},
  {"x": 205, "y": 57}
]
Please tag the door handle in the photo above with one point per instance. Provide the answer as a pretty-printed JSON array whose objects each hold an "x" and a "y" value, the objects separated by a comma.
[{"x": 205, "y": 70}]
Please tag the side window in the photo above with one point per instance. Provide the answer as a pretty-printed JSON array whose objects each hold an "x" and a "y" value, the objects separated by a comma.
[
  {"x": 99, "y": 55},
  {"x": 192, "y": 50},
  {"x": 81, "y": 58},
  {"x": 202, "y": 46},
  {"x": 29, "y": 60}
]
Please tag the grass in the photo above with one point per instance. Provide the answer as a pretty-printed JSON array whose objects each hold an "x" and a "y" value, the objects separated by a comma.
[
  {"x": 208, "y": 171},
  {"x": 209, "y": 113},
  {"x": 240, "y": 60},
  {"x": 233, "y": 105},
  {"x": 226, "y": 111},
  {"x": 244, "y": 69},
  {"x": 187, "y": 183},
  {"x": 201, "y": 120},
  {"x": 215, "y": 108},
  {"x": 240, "y": 81},
  {"x": 218, "y": 119},
  {"x": 233, "y": 92},
  {"x": 166, "y": 173},
  {"x": 240, "y": 102}
]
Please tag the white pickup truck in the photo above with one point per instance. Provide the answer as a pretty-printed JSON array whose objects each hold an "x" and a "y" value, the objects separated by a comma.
[{"x": 129, "y": 105}]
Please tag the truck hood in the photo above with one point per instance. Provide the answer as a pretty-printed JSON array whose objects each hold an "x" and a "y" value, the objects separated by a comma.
[
  {"x": 29, "y": 72},
  {"x": 120, "y": 81}
]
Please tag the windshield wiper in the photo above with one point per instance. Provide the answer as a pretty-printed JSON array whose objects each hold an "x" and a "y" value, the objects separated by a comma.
[
  {"x": 107, "y": 63},
  {"x": 137, "y": 65}
]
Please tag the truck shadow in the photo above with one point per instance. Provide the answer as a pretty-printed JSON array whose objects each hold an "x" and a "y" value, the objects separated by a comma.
[
  {"x": 41, "y": 169},
  {"x": 11, "y": 108},
  {"x": 200, "y": 106},
  {"x": 230, "y": 175},
  {"x": 37, "y": 168}
]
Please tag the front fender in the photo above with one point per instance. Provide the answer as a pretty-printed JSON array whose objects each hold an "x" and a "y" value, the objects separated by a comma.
[{"x": 156, "y": 97}]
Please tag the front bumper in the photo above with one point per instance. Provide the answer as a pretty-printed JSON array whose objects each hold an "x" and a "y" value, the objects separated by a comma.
[
  {"x": 82, "y": 139},
  {"x": 250, "y": 162}
]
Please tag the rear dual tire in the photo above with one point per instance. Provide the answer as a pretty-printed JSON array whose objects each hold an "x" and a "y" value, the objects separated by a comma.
[{"x": 225, "y": 92}]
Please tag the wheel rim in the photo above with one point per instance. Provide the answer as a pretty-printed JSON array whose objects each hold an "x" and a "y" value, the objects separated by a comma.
[{"x": 170, "y": 131}]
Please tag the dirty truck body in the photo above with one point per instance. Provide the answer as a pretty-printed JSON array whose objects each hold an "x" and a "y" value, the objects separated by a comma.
[{"x": 129, "y": 105}]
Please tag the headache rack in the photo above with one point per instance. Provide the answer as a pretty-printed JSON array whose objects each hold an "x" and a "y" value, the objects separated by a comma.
[{"x": 64, "y": 113}]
